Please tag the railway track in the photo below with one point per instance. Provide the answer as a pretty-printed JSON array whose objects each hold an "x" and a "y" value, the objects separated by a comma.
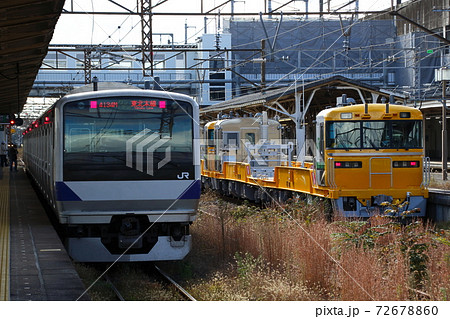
[
  {"x": 115, "y": 281},
  {"x": 179, "y": 289},
  {"x": 113, "y": 287}
]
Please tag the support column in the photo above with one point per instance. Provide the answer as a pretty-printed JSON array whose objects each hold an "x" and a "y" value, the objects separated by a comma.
[
  {"x": 146, "y": 32},
  {"x": 444, "y": 133}
]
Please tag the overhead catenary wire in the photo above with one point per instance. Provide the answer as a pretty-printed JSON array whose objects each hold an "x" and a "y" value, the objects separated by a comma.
[
  {"x": 279, "y": 50},
  {"x": 317, "y": 60}
]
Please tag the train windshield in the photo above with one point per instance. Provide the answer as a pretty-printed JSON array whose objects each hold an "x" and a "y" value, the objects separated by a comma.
[
  {"x": 374, "y": 134},
  {"x": 128, "y": 138}
]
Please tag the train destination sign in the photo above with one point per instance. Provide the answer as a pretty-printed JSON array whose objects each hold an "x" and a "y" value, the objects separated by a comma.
[{"x": 136, "y": 104}]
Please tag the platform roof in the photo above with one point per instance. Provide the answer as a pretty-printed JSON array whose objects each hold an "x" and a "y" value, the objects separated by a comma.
[{"x": 26, "y": 28}]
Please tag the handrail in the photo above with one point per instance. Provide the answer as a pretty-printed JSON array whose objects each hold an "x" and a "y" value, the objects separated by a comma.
[
  {"x": 330, "y": 173},
  {"x": 426, "y": 173}
]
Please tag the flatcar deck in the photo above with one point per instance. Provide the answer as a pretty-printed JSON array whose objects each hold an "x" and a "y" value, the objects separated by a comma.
[{"x": 34, "y": 263}]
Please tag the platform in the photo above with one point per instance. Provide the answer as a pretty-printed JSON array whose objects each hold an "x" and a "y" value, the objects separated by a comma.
[{"x": 34, "y": 263}]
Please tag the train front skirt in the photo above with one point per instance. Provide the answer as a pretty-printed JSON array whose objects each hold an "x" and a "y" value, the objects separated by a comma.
[
  {"x": 166, "y": 248},
  {"x": 415, "y": 206}
]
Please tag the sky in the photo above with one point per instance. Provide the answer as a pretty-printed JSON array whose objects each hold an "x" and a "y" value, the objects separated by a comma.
[{"x": 126, "y": 29}]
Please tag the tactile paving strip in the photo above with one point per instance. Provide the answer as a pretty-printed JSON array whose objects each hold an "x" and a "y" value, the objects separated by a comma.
[{"x": 4, "y": 235}]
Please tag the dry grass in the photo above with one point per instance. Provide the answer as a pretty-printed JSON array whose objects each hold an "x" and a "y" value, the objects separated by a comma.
[{"x": 242, "y": 252}]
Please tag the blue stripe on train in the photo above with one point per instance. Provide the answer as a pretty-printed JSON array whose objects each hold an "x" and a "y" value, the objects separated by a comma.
[
  {"x": 64, "y": 193},
  {"x": 193, "y": 191}
]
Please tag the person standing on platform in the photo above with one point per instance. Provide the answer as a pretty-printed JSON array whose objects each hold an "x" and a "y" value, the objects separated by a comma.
[
  {"x": 12, "y": 154},
  {"x": 3, "y": 154}
]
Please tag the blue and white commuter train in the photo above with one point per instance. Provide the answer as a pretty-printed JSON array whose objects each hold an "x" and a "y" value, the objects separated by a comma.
[{"x": 121, "y": 170}]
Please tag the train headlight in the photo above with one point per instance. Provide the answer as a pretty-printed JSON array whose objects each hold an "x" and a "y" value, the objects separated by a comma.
[
  {"x": 405, "y": 115},
  {"x": 346, "y": 116}
]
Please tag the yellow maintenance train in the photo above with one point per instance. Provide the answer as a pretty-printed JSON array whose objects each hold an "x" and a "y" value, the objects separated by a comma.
[{"x": 363, "y": 156}]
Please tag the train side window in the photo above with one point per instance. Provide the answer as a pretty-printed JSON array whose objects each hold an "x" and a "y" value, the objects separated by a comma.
[
  {"x": 210, "y": 137},
  {"x": 321, "y": 141},
  {"x": 231, "y": 139},
  {"x": 250, "y": 137}
]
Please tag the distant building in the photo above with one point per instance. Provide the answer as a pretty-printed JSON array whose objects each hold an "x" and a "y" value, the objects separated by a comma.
[{"x": 310, "y": 49}]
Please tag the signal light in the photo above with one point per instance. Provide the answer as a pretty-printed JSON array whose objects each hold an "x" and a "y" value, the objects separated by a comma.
[{"x": 16, "y": 121}]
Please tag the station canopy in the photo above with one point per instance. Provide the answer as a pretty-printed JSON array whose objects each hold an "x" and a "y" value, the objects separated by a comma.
[
  {"x": 316, "y": 94},
  {"x": 26, "y": 28}
]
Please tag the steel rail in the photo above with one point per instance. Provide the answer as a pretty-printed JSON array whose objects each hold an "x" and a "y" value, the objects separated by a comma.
[
  {"x": 116, "y": 291},
  {"x": 179, "y": 288}
]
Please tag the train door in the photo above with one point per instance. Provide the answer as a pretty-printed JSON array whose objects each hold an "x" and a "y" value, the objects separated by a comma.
[
  {"x": 210, "y": 148},
  {"x": 218, "y": 144},
  {"x": 249, "y": 135},
  {"x": 319, "y": 158}
]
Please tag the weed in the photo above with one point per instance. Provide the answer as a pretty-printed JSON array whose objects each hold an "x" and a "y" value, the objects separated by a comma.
[
  {"x": 265, "y": 254},
  {"x": 359, "y": 234},
  {"x": 246, "y": 266}
]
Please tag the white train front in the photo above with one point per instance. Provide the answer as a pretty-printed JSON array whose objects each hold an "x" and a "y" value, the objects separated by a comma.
[{"x": 121, "y": 170}]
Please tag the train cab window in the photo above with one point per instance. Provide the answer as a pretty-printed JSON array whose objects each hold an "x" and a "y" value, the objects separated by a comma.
[
  {"x": 376, "y": 134},
  {"x": 250, "y": 137},
  {"x": 210, "y": 137},
  {"x": 127, "y": 138},
  {"x": 392, "y": 134},
  {"x": 231, "y": 139},
  {"x": 407, "y": 134},
  {"x": 343, "y": 134}
]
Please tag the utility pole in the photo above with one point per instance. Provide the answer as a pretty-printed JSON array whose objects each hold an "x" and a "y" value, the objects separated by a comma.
[
  {"x": 443, "y": 75},
  {"x": 263, "y": 64},
  {"x": 444, "y": 132},
  {"x": 87, "y": 66},
  {"x": 186, "y": 27},
  {"x": 147, "y": 39}
]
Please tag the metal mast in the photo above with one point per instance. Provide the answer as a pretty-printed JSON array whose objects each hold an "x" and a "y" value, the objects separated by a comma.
[{"x": 147, "y": 39}]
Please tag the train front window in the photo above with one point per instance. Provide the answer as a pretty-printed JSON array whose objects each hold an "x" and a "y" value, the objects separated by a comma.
[
  {"x": 127, "y": 138},
  {"x": 392, "y": 134},
  {"x": 376, "y": 134},
  {"x": 343, "y": 134},
  {"x": 406, "y": 134}
]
